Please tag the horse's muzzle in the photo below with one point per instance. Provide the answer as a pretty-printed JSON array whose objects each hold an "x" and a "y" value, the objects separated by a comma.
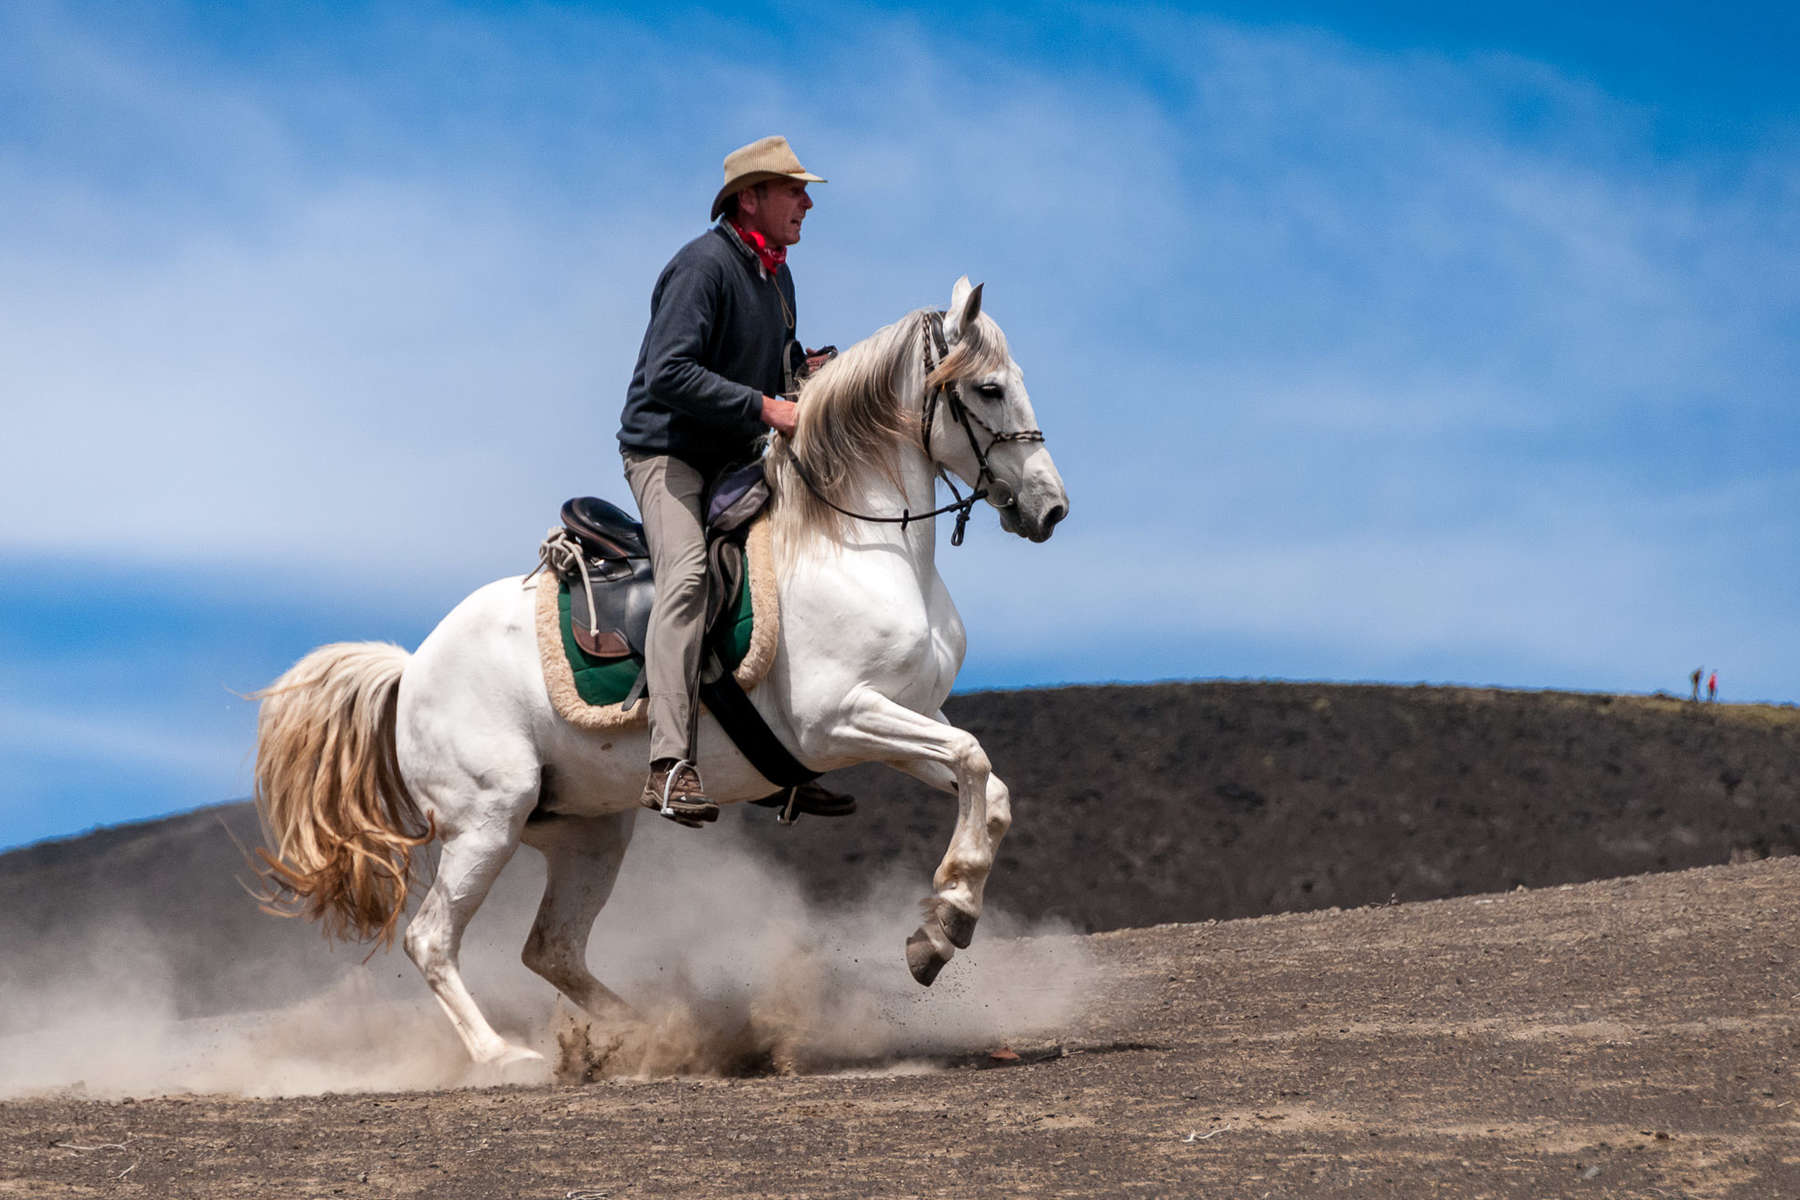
[
  {"x": 1035, "y": 506},
  {"x": 1034, "y": 526}
]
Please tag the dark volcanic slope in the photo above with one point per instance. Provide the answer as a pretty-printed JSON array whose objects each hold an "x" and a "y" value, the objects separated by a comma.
[
  {"x": 1134, "y": 805},
  {"x": 1180, "y": 802}
]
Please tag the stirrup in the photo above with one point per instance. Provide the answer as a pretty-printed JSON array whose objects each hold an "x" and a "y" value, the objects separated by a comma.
[
  {"x": 669, "y": 783},
  {"x": 699, "y": 812},
  {"x": 791, "y": 802}
]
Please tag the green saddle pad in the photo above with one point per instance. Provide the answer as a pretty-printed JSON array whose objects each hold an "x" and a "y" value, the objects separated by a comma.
[{"x": 609, "y": 680}]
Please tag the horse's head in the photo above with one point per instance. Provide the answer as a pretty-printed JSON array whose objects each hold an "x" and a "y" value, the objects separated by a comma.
[{"x": 993, "y": 441}]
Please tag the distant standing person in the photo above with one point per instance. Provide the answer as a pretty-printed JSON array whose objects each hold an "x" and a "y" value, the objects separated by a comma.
[
  {"x": 1712, "y": 687},
  {"x": 1695, "y": 680}
]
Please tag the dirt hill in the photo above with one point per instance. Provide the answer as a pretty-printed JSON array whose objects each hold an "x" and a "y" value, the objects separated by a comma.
[
  {"x": 1181, "y": 802},
  {"x": 1134, "y": 805}
]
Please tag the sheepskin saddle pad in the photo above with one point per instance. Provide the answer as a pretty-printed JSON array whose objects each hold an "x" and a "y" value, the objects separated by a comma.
[{"x": 593, "y": 653}]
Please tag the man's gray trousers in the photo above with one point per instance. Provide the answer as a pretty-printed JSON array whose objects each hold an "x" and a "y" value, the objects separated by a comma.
[{"x": 669, "y": 493}]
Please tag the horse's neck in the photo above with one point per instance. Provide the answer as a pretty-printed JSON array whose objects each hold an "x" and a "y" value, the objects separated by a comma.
[
  {"x": 875, "y": 493},
  {"x": 872, "y": 491}
]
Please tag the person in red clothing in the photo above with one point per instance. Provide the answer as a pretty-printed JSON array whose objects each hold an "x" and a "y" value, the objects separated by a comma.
[
  {"x": 1712, "y": 686},
  {"x": 718, "y": 365},
  {"x": 717, "y": 356}
]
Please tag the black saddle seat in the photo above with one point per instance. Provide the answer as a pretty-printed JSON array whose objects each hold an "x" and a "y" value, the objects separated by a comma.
[{"x": 605, "y": 528}]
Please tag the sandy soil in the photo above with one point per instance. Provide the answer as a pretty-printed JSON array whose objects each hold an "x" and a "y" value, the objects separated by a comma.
[
  {"x": 1634, "y": 1037},
  {"x": 1172, "y": 802}
]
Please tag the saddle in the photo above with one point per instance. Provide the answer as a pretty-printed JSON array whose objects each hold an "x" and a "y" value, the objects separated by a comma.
[
  {"x": 609, "y": 600},
  {"x": 601, "y": 555},
  {"x": 605, "y": 527},
  {"x": 602, "y": 563}
]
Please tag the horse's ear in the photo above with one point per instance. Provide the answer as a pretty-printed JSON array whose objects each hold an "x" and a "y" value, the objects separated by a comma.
[{"x": 965, "y": 306}]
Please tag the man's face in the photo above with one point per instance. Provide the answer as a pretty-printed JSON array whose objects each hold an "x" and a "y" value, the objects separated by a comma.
[{"x": 775, "y": 209}]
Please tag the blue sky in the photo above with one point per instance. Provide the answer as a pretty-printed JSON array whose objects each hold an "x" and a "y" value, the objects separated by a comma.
[{"x": 1379, "y": 342}]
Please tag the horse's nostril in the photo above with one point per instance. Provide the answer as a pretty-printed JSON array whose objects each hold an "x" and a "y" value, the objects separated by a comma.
[{"x": 1057, "y": 512}]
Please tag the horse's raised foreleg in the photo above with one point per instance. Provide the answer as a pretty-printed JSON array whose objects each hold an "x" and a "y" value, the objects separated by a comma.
[
  {"x": 952, "y": 760},
  {"x": 470, "y": 862},
  {"x": 582, "y": 856},
  {"x": 961, "y": 878}
]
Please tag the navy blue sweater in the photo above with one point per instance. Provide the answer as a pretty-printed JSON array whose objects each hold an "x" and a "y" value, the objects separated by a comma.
[{"x": 715, "y": 346}]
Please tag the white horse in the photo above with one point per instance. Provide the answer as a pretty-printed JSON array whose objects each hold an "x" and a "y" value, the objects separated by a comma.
[{"x": 365, "y": 752}]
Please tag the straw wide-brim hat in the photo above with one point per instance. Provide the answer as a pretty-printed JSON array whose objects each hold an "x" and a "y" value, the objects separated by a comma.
[{"x": 763, "y": 159}]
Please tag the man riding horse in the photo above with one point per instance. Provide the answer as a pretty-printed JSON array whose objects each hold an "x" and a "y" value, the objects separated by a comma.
[{"x": 718, "y": 360}]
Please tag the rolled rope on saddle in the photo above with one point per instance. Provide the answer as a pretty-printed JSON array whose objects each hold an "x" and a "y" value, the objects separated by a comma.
[
  {"x": 559, "y": 676},
  {"x": 560, "y": 555}
]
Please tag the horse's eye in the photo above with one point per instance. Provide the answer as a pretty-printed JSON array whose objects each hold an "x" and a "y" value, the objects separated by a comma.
[{"x": 989, "y": 391}]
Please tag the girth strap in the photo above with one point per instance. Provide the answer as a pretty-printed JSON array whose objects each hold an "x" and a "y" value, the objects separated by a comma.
[{"x": 748, "y": 731}]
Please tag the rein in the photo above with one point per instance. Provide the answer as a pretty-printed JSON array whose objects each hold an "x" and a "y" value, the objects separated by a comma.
[{"x": 950, "y": 393}]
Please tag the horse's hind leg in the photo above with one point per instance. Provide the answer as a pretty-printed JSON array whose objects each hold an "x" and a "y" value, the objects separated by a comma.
[
  {"x": 470, "y": 862},
  {"x": 581, "y": 856},
  {"x": 952, "y": 760}
]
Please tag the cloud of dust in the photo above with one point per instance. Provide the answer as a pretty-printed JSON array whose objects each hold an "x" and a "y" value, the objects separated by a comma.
[
  {"x": 732, "y": 969},
  {"x": 104, "y": 1017}
]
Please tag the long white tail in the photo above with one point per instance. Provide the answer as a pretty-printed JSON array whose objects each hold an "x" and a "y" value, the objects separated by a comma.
[{"x": 333, "y": 804}]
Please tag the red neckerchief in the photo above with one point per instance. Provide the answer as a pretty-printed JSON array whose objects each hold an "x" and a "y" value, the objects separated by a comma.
[{"x": 771, "y": 257}]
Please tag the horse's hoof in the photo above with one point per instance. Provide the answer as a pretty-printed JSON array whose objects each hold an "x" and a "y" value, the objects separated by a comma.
[
  {"x": 957, "y": 925},
  {"x": 513, "y": 1065},
  {"x": 923, "y": 958},
  {"x": 517, "y": 1056}
]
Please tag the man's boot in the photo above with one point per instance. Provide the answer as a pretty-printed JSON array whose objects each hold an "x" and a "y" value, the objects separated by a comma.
[
  {"x": 811, "y": 798},
  {"x": 675, "y": 791}
]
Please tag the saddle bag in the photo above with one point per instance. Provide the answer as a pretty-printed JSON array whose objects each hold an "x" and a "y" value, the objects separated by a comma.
[{"x": 736, "y": 497}]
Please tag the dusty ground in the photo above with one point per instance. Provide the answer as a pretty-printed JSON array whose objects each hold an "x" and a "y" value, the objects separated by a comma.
[
  {"x": 1239, "y": 798},
  {"x": 1634, "y": 1037}
]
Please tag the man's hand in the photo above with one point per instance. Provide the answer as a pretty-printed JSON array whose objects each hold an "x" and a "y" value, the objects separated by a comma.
[{"x": 779, "y": 415}]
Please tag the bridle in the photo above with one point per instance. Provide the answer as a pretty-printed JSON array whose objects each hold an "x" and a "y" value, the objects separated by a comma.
[{"x": 950, "y": 394}]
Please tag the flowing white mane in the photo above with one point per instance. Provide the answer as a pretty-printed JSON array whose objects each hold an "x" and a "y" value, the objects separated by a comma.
[{"x": 858, "y": 412}]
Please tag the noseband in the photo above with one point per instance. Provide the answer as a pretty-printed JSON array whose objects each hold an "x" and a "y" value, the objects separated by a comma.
[{"x": 950, "y": 394}]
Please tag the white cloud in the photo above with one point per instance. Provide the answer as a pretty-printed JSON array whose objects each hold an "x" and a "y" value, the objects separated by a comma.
[{"x": 1338, "y": 301}]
